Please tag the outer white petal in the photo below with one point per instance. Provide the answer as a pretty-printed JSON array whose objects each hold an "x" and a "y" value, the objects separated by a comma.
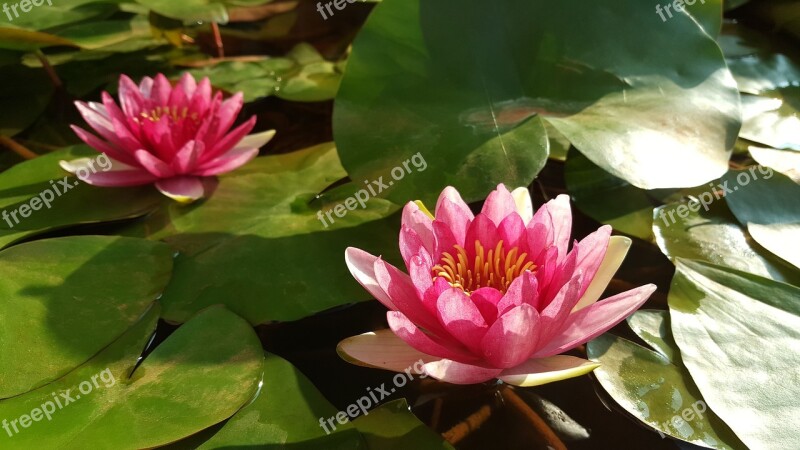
[
  {"x": 534, "y": 372},
  {"x": 522, "y": 198},
  {"x": 256, "y": 140},
  {"x": 381, "y": 350},
  {"x": 617, "y": 250}
]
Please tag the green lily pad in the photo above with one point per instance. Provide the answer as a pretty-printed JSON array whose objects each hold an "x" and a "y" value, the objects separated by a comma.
[
  {"x": 286, "y": 412},
  {"x": 768, "y": 203},
  {"x": 738, "y": 335},
  {"x": 28, "y": 184},
  {"x": 786, "y": 162},
  {"x": 654, "y": 386},
  {"x": 392, "y": 426},
  {"x": 65, "y": 299},
  {"x": 608, "y": 199},
  {"x": 714, "y": 236},
  {"x": 214, "y": 359},
  {"x": 258, "y": 246},
  {"x": 449, "y": 78},
  {"x": 197, "y": 10},
  {"x": 303, "y": 75}
]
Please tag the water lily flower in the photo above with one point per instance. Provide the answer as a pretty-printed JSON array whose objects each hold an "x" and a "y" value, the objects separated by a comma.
[
  {"x": 176, "y": 137},
  {"x": 497, "y": 295}
]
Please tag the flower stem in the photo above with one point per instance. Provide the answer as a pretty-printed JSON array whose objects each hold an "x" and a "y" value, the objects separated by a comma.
[
  {"x": 218, "y": 40},
  {"x": 463, "y": 429},
  {"x": 547, "y": 435},
  {"x": 49, "y": 69},
  {"x": 17, "y": 148}
]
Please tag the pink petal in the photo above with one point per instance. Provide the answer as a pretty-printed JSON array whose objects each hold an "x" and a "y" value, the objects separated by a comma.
[
  {"x": 225, "y": 116},
  {"x": 421, "y": 223},
  {"x": 513, "y": 233},
  {"x": 615, "y": 253},
  {"x": 118, "y": 175},
  {"x": 161, "y": 90},
  {"x": 556, "y": 216},
  {"x": 130, "y": 97},
  {"x": 591, "y": 251},
  {"x": 483, "y": 230},
  {"x": 588, "y": 323},
  {"x": 486, "y": 299},
  {"x": 201, "y": 99},
  {"x": 152, "y": 164},
  {"x": 382, "y": 350},
  {"x": 512, "y": 338},
  {"x": 419, "y": 269},
  {"x": 499, "y": 204},
  {"x": 452, "y": 211},
  {"x": 360, "y": 264},
  {"x": 445, "y": 240},
  {"x": 186, "y": 158},
  {"x": 410, "y": 244},
  {"x": 229, "y": 161},
  {"x": 103, "y": 147},
  {"x": 523, "y": 290},
  {"x": 399, "y": 288},
  {"x": 182, "y": 189},
  {"x": 230, "y": 140},
  {"x": 413, "y": 336},
  {"x": 461, "y": 318},
  {"x": 458, "y": 373},
  {"x": 554, "y": 315}
]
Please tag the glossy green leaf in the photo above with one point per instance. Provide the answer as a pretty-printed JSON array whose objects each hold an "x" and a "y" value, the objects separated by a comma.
[
  {"x": 769, "y": 74},
  {"x": 738, "y": 335},
  {"x": 27, "y": 185},
  {"x": 14, "y": 38},
  {"x": 768, "y": 203},
  {"x": 202, "y": 374},
  {"x": 714, "y": 236},
  {"x": 65, "y": 299},
  {"x": 447, "y": 78},
  {"x": 196, "y": 10},
  {"x": 258, "y": 246},
  {"x": 302, "y": 75},
  {"x": 707, "y": 12},
  {"x": 786, "y": 162},
  {"x": 655, "y": 387},
  {"x": 608, "y": 199},
  {"x": 392, "y": 426},
  {"x": 58, "y": 13},
  {"x": 285, "y": 413}
]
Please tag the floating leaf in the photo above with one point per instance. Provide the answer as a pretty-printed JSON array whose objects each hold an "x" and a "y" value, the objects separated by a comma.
[
  {"x": 738, "y": 337},
  {"x": 768, "y": 204},
  {"x": 258, "y": 245},
  {"x": 65, "y": 299},
  {"x": 24, "y": 187},
  {"x": 689, "y": 230},
  {"x": 655, "y": 387},
  {"x": 608, "y": 199},
  {"x": 454, "y": 79},
  {"x": 392, "y": 426},
  {"x": 214, "y": 359}
]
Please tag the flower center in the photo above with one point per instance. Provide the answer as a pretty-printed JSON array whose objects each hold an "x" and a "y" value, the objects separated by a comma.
[
  {"x": 154, "y": 115},
  {"x": 496, "y": 268}
]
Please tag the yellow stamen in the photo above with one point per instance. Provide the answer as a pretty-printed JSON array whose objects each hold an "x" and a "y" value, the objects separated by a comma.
[{"x": 496, "y": 269}]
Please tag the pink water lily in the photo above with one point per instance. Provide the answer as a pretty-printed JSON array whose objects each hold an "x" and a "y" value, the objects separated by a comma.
[
  {"x": 497, "y": 295},
  {"x": 176, "y": 137}
]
